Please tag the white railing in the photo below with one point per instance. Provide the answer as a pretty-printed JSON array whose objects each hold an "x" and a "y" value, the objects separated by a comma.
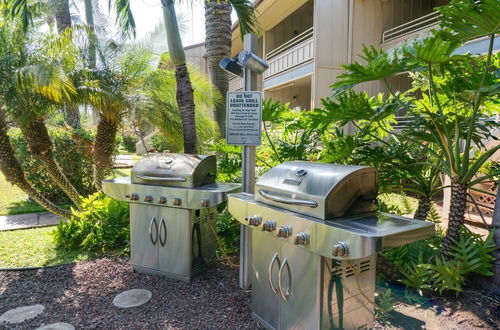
[
  {"x": 292, "y": 53},
  {"x": 235, "y": 83},
  {"x": 421, "y": 23}
]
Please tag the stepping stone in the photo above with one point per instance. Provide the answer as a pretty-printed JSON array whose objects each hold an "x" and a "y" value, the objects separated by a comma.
[
  {"x": 21, "y": 314},
  {"x": 132, "y": 298},
  {"x": 57, "y": 326}
]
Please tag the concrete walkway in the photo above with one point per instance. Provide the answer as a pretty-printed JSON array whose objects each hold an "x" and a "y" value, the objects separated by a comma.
[{"x": 9, "y": 222}]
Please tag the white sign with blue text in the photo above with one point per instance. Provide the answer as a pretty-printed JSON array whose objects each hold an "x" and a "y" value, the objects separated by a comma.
[{"x": 244, "y": 118}]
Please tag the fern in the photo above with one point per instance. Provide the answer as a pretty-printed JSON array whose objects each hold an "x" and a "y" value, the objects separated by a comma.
[
  {"x": 448, "y": 275},
  {"x": 474, "y": 253},
  {"x": 433, "y": 215}
]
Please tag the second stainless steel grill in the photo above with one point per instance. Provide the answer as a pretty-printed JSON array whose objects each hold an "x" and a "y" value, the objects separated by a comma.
[
  {"x": 173, "y": 200},
  {"x": 314, "y": 242}
]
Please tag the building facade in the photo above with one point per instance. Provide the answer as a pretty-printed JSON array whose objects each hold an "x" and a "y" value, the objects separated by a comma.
[{"x": 306, "y": 42}]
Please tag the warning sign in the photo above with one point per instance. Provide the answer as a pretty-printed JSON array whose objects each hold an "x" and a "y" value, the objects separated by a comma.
[{"x": 244, "y": 118}]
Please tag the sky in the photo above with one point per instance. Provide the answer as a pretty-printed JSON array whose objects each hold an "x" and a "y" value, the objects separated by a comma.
[{"x": 148, "y": 13}]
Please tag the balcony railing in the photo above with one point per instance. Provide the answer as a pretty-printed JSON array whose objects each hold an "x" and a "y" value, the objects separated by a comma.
[
  {"x": 235, "y": 83},
  {"x": 292, "y": 53},
  {"x": 421, "y": 23}
]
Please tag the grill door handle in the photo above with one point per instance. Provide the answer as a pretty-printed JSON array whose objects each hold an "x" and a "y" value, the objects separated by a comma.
[
  {"x": 270, "y": 271},
  {"x": 153, "y": 222},
  {"x": 284, "y": 295},
  {"x": 163, "y": 226},
  {"x": 161, "y": 178},
  {"x": 284, "y": 200}
]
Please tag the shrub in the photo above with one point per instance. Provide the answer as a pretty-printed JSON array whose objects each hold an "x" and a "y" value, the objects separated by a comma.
[
  {"x": 72, "y": 154},
  {"x": 102, "y": 225},
  {"x": 159, "y": 143},
  {"x": 129, "y": 141},
  {"x": 228, "y": 231}
]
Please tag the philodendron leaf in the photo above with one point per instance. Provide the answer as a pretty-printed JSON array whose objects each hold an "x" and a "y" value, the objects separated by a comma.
[{"x": 470, "y": 19}]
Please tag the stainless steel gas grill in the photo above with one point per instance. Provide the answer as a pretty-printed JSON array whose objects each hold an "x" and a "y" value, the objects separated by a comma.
[
  {"x": 173, "y": 200},
  {"x": 314, "y": 243}
]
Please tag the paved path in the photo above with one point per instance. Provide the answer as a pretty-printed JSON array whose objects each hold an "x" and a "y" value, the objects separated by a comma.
[
  {"x": 9, "y": 222},
  {"x": 124, "y": 161}
]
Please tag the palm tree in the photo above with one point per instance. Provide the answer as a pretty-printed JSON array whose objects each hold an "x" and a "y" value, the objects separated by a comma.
[
  {"x": 14, "y": 174},
  {"x": 160, "y": 106},
  {"x": 218, "y": 44},
  {"x": 184, "y": 93},
  {"x": 32, "y": 87},
  {"x": 496, "y": 253}
]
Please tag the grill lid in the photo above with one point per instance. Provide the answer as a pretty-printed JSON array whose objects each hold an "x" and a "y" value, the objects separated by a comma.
[
  {"x": 175, "y": 170},
  {"x": 320, "y": 190}
]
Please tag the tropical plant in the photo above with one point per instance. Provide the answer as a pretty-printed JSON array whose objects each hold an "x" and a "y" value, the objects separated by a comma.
[
  {"x": 218, "y": 32},
  {"x": 161, "y": 107},
  {"x": 457, "y": 92},
  {"x": 35, "y": 86},
  {"x": 102, "y": 225}
]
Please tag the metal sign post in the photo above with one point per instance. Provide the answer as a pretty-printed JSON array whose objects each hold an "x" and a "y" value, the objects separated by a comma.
[{"x": 248, "y": 170}]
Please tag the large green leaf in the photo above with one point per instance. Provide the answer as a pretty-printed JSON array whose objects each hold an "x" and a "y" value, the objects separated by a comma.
[
  {"x": 433, "y": 50},
  {"x": 377, "y": 65},
  {"x": 469, "y": 19}
]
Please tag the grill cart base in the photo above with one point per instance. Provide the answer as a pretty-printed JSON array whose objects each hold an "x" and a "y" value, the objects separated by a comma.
[
  {"x": 176, "y": 243},
  {"x": 315, "y": 237},
  {"x": 173, "y": 205}
]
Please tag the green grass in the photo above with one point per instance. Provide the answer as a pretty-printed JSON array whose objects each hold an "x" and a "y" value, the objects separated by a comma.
[
  {"x": 119, "y": 172},
  {"x": 14, "y": 201},
  {"x": 34, "y": 248}
]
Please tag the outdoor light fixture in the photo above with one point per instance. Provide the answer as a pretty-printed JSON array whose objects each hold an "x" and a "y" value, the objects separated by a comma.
[
  {"x": 231, "y": 65},
  {"x": 245, "y": 59},
  {"x": 252, "y": 62}
]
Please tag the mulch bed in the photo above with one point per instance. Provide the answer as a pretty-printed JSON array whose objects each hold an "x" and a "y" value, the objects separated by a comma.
[{"x": 82, "y": 294}]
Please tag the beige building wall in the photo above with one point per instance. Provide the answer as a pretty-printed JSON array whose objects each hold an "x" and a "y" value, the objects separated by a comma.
[{"x": 196, "y": 54}]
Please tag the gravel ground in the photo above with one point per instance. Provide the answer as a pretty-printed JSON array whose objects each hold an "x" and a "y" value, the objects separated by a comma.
[{"x": 82, "y": 294}]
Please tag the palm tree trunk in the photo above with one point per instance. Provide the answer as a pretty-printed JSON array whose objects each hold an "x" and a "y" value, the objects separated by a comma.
[
  {"x": 455, "y": 216},
  {"x": 218, "y": 45},
  {"x": 424, "y": 206},
  {"x": 185, "y": 99},
  {"x": 14, "y": 173},
  {"x": 63, "y": 22},
  {"x": 63, "y": 16},
  {"x": 41, "y": 147},
  {"x": 496, "y": 254},
  {"x": 89, "y": 18},
  {"x": 103, "y": 149},
  {"x": 185, "y": 103}
]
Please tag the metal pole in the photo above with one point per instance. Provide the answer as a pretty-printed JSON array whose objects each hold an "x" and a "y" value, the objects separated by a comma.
[{"x": 248, "y": 171}]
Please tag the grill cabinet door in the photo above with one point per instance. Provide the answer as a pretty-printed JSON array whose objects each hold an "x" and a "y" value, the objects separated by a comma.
[
  {"x": 143, "y": 232},
  {"x": 175, "y": 246},
  {"x": 300, "y": 279},
  {"x": 266, "y": 250}
]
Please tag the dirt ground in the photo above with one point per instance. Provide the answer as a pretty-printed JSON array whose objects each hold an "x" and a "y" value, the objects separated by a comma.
[{"x": 82, "y": 294}]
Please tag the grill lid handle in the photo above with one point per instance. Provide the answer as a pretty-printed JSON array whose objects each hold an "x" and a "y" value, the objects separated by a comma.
[
  {"x": 284, "y": 200},
  {"x": 160, "y": 178}
]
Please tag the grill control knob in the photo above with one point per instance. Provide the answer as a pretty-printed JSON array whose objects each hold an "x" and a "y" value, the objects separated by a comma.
[
  {"x": 269, "y": 226},
  {"x": 134, "y": 197},
  {"x": 205, "y": 202},
  {"x": 254, "y": 221},
  {"x": 302, "y": 239},
  {"x": 284, "y": 231},
  {"x": 148, "y": 198},
  {"x": 177, "y": 201},
  {"x": 340, "y": 250},
  {"x": 162, "y": 200}
]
